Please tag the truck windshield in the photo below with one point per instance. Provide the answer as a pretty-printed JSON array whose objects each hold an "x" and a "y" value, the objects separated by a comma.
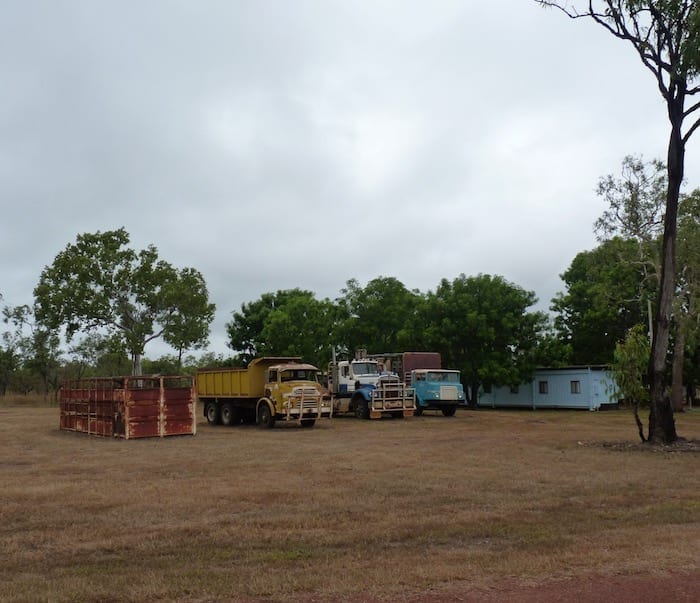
[
  {"x": 365, "y": 368},
  {"x": 444, "y": 377},
  {"x": 299, "y": 375}
]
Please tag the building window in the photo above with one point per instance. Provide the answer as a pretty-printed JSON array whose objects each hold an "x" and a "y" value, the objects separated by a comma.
[
  {"x": 544, "y": 387},
  {"x": 514, "y": 389},
  {"x": 575, "y": 387}
]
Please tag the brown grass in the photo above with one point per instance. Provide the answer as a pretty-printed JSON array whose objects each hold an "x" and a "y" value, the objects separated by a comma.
[{"x": 385, "y": 509}]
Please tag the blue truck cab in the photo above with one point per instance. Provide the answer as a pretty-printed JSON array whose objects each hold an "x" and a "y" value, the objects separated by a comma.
[{"x": 437, "y": 389}]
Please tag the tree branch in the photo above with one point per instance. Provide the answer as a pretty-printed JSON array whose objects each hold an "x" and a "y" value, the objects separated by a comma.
[{"x": 690, "y": 131}]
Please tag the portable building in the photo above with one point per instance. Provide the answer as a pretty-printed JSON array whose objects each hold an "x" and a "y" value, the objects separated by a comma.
[{"x": 583, "y": 387}]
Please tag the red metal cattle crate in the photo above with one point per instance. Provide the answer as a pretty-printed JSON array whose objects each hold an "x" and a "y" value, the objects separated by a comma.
[{"x": 129, "y": 407}]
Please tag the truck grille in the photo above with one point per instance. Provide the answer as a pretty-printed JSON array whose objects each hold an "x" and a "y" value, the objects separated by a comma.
[{"x": 448, "y": 392}]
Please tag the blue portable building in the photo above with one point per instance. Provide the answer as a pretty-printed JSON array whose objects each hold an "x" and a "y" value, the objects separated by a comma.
[{"x": 584, "y": 387}]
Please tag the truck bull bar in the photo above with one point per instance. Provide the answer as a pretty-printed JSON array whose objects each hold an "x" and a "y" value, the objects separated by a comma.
[
  {"x": 305, "y": 402},
  {"x": 391, "y": 397}
]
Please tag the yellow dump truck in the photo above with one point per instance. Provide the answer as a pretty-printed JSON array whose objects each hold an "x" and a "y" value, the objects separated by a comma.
[{"x": 271, "y": 389}]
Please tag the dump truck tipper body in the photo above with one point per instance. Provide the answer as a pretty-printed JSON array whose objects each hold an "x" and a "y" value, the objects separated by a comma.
[{"x": 270, "y": 389}]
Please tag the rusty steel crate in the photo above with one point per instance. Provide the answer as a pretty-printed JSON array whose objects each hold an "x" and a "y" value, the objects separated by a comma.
[{"x": 129, "y": 407}]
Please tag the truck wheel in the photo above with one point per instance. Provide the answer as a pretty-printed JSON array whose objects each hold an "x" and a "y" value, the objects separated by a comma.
[
  {"x": 308, "y": 422},
  {"x": 449, "y": 411},
  {"x": 266, "y": 420},
  {"x": 362, "y": 409},
  {"x": 418, "y": 411},
  {"x": 211, "y": 412},
  {"x": 227, "y": 414}
]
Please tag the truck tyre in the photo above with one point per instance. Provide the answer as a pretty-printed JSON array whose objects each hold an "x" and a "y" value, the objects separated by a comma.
[
  {"x": 362, "y": 409},
  {"x": 266, "y": 419},
  {"x": 308, "y": 422},
  {"x": 228, "y": 414},
  {"x": 418, "y": 411},
  {"x": 449, "y": 411},
  {"x": 211, "y": 412}
]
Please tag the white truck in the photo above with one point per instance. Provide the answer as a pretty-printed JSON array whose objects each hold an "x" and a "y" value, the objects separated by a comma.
[{"x": 358, "y": 387}]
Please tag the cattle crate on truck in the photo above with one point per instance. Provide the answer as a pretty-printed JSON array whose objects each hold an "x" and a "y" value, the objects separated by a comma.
[
  {"x": 270, "y": 389},
  {"x": 402, "y": 363},
  {"x": 129, "y": 407}
]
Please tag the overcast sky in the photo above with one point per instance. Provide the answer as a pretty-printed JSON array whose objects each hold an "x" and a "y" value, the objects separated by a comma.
[{"x": 301, "y": 143}]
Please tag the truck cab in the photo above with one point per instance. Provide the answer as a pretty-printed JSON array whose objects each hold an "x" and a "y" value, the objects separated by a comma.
[
  {"x": 351, "y": 375},
  {"x": 295, "y": 393},
  {"x": 437, "y": 389}
]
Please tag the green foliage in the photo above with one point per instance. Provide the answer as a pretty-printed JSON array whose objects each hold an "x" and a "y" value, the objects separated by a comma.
[
  {"x": 481, "y": 326},
  {"x": 691, "y": 45},
  {"x": 97, "y": 355},
  {"x": 98, "y": 283},
  {"x": 164, "y": 365},
  {"x": 688, "y": 249},
  {"x": 32, "y": 350},
  {"x": 190, "y": 312},
  {"x": 551, "y": 351},
  {"x": 377, "y": 317},
  {"x": 606, "y": 295},
  {"x": 629, "y": 365},
  {"x": 9, "y": 363},
  {"x": 629, "y": 368},
  {"x": 687, "y": 307},
  {"x": 9, "y": 360},
  {"x": 286, "y": 323},
  {"x": 635, "y": 201},
  {"x": 214, "y": 360}
]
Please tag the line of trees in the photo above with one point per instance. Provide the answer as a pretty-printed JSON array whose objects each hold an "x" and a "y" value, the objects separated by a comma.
[{"x": 482, "y": 325}]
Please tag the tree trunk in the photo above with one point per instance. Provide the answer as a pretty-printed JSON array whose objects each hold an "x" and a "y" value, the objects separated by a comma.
[
  {"x": 638, "y": 421},
  {"x": 662, "y": 427},
  {"x": 474, "y": 395},
  {"x": 677, "y": 377},
  {"x": 136, "y": 368}
]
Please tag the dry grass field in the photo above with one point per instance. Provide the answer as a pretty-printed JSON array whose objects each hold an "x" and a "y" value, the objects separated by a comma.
[{"x": 430, "y": 508}]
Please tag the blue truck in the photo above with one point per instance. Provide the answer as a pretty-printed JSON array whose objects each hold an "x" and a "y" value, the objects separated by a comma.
[{"x": 435, "y": 388}]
